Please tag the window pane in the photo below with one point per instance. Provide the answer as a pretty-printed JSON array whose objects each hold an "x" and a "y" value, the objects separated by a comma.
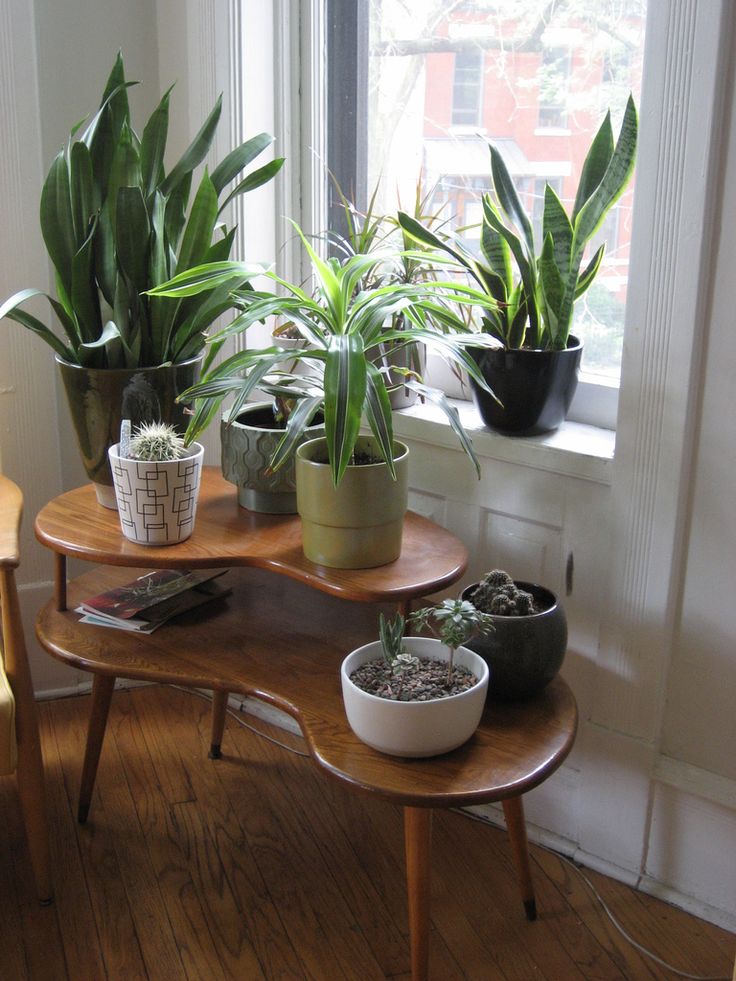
[{"x": 533, "y": 78}]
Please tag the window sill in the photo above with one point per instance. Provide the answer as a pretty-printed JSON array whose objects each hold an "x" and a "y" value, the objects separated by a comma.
[{"x": 574, "y": 450}]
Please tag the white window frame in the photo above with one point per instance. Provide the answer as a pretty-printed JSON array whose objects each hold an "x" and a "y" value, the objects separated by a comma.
[{"x": 671, "y": 67}]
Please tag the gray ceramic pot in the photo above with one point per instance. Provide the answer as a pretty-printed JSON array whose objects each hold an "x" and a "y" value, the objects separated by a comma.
[
  {"x": 523, "y": 653},
  {"x": 248, "y": 444},
  {"x": 100, "y": 398}
]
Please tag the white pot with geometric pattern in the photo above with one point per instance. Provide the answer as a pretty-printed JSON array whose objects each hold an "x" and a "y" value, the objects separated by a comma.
[{"x": 157, "y": 501}]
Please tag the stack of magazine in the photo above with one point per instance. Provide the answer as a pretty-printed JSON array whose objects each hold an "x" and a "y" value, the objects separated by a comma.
[{"x": 152, "y": 599}]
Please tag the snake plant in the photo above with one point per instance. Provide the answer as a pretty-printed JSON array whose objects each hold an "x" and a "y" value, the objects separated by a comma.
[
  {"x": 344, "y": 325},
  {"x": 535, "y": 309},
  {"x": 115, "y": 223}
]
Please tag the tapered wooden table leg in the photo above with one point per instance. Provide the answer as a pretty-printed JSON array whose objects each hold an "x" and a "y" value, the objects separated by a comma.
[
  {"x": 513, "y": 810},
  {"x": 102, "y": 688},
  {"x": 418, "y": 839},
  {"x": 219, "y": 711}
]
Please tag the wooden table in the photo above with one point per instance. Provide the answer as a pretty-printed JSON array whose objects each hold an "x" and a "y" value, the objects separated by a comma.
[{"x": 281, "y": 638}]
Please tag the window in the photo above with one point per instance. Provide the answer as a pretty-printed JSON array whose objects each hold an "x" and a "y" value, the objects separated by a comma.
[
  {"x": 554, "y": 72},
  {"x": 467, "y": 88}
]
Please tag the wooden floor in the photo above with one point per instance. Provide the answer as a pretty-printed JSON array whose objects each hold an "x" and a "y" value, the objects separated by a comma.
[{"x": 256, "y": 866}]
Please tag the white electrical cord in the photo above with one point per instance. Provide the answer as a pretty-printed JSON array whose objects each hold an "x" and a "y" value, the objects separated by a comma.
[
  {"x": 477, "y": 817},
  {"x": 642, "y": 950}
]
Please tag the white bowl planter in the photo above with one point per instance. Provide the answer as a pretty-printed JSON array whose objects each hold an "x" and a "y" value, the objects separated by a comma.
[
  {"x": 157, "y": 502},
  {"x": 414, "y": 729}
]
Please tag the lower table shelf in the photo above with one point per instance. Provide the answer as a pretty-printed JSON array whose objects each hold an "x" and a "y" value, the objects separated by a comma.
[{"x": 278, "y": 640}]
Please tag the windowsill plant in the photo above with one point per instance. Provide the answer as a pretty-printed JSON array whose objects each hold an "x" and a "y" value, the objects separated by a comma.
[{"x": 533, "y": 311}]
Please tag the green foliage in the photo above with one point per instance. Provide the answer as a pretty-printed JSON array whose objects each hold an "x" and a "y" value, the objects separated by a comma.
[
  {"x": 454, "y": 622},
  {"x": 534, "y": 308},
  {"x": 116, "y": 224},
  {"x": 345, "y": 326}
]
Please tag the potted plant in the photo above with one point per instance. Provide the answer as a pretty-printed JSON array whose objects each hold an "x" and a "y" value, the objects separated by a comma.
[
  {"x": 527, "y": 645},
  {"x": 418, "y": 696},
  {"x": 367, "y": 232},
  {"x": 115, "y": 222},
  {"x": 344, "y": 325},
  {"x": 156, "y": 479},
  {"x": 248, "y": 440},
  {"x": 533, "y": 374}
]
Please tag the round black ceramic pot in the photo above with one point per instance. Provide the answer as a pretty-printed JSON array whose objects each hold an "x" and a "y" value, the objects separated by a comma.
[
  {"x": 523, "y": 653},
  {"x": 100, "y": 398},
  {"x": 535, "y": 388}
]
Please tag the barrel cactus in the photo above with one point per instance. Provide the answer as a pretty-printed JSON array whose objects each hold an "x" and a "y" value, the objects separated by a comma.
[
  {"x": 156, "y": 442},
  {"x": 496, "y": 593}
]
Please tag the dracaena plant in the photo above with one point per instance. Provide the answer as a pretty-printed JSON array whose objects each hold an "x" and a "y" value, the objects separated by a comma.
[
  {"x": 115, "y": 223},
  {"x": 535, "y": 306},
  {"x": 344, "y": 326}
]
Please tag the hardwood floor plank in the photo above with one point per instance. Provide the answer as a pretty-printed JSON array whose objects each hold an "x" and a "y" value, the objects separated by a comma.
[
  {"x": 168, "y": 850},
  {"x": 269, "y": 871},
  {"x": 103, "y": 871}
]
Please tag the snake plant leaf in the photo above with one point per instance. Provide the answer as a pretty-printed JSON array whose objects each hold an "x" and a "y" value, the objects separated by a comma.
[
  {"x": 57, "y": 223},
  {"x": 124, "y": 172},
  {"x": 109, "y": 333},
  {"x": 84, "y": 295},
  {"x": 10, "y": 309},
  {"x": 439, "y": 399},
  {"x": 84, "y": 197},
  {"x": 613, "y": 182},
  {"x": 556, "y": 224},
  {"x": 176, "y": 213},
  {"x": 552, "y": 288},
  {"x": 106, "y": 269},
  {"x": 200, "y": 226},
  {"x": 103, "y": 133},
  {"x": 132, "y": 239},
  {"x": 587, "y": 276},
  {"x": 518, "y": 317},
  {"x": 509, "y": 199},
  {"x": 497, "y": 254},
  {"x": 195, "y": 152},
  {"x": 254, "y": 180},
  {"x": 239, "y": 158},
  {"x": 153, "y": 145},
  {"x": 300, "y": 418},
  {"x": 378, "y": 413},
  {"x": 527, "y": 270},
  {"x": 345, "y": 387},
  {"x": 595, "y": 164}
]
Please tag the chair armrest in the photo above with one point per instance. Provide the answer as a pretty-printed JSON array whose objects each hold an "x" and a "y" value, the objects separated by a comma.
[{"x": 11, "y": 510}]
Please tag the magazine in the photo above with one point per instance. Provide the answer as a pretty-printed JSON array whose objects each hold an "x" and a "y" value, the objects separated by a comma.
[{"x": 152, "y": 599}]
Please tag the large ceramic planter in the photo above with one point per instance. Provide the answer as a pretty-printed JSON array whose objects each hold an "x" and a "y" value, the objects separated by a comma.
[
  {"x": 535, "y": 388},
  {"x": 357, "y": 525},
  {"x": 523, "y": 653},
  {"x": 248, "y": 444},
  {"x": 157, "y": 502},
  {"x": 100, "y": 398},
  {"x": 414, "y": 729}
]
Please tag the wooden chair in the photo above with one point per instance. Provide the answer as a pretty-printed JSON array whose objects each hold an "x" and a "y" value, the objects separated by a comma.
[{"x": 20, "y": 747}]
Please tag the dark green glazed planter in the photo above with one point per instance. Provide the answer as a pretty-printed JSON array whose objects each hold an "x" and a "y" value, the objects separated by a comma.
[
  {"x": 523, "y": 653},
  {"x": 100, "y": 398},
  {"x": 535, "y": 388}
]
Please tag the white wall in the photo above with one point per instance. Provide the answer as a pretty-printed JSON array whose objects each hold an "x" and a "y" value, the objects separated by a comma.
[{"x": 650, "y": 790}]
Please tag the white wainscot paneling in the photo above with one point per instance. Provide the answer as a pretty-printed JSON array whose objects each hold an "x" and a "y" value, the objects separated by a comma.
[{"x": 691, "y": 854}]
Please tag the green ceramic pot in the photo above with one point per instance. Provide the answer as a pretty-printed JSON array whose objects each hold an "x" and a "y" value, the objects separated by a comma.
[
  {"x": 100, "y": 398},
  {"x": 523, "y": 653},
  {"x": 357, "y": 525},
  {"x": 248, "y": 445}
]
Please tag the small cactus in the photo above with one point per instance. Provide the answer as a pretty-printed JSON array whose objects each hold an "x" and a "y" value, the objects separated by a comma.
[
  {"x": 497, "y": 594},
  {"x": 156, "y": 442}
]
